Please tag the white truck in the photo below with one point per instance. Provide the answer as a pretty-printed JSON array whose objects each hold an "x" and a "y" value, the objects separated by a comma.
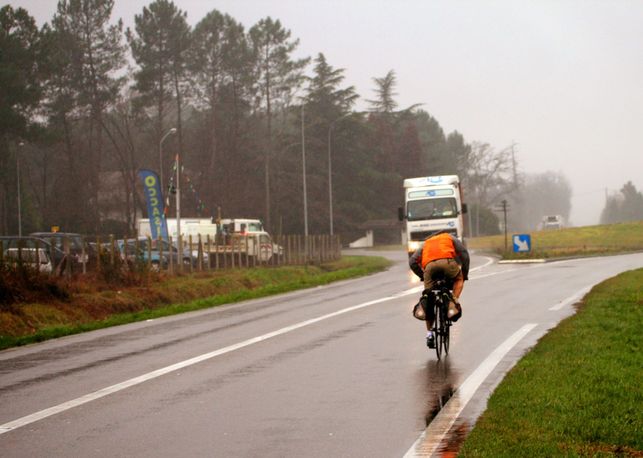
[
  {"x": 230, "y": 236},
  {"x": 242, "y": 225},
  {"x": 552, "y": 222},
  {"x": 431, "y": 204}
]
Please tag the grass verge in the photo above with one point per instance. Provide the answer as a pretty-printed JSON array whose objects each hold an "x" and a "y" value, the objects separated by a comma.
[
  {"x": 570, "y": 242},
  {"x": 578, "y": 392},
  {"x": 87, "y": 310}
]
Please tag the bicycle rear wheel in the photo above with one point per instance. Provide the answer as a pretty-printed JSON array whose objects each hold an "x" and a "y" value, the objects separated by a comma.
[
  {"x": 442, "y": 336},
  {"x": 438, "y": 327},
  {"x": 446, "y": 327}
]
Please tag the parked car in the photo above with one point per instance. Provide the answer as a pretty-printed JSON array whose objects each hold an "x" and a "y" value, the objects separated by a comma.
[
  {"x": 36, "y": 258},
  {"x": 159, "y": 257},
  {"x": 57, "y": 256},
  {"x": 79, "y": 248}
]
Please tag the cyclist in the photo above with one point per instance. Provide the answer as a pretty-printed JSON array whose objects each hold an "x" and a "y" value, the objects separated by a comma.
[{"x": 445, "y": 254}]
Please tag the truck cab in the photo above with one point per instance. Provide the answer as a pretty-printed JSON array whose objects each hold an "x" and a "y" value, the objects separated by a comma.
[{"x": 431, "y": 204}]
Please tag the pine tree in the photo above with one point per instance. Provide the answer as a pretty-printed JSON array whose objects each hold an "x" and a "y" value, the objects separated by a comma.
[
  {"x": 90, "y": 54},
  {"x": 160, "y": 48},
  {"x": 220, "y": 65},
  {"x": 277, "y": 75},
  {"x": 20, "y": 94}
]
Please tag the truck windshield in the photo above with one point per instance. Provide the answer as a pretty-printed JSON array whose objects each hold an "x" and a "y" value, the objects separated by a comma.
[{"x": 431, "y": 209}]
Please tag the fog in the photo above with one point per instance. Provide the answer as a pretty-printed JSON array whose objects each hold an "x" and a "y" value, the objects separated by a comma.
[{"x": 561, "y": 79}]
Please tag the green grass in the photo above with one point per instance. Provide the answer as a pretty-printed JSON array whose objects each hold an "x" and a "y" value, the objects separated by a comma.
[
  {"x": 230, "y": 286},
  {"x": 578, "y": 392},
  {"x": 575, "y": 241}
]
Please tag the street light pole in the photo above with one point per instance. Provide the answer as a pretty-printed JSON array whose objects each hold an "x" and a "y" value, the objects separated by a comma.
[
  {"x": 178, "y": 212},
  {"x": 20, "y": 145},
  {"x": 169, "y": 132},
  {"x": 330, "y": 171},
  {"x": 303, "y": 160}
]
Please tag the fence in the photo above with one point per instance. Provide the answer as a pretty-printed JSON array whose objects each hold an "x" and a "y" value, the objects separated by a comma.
[{"x": 195, "y": 254}]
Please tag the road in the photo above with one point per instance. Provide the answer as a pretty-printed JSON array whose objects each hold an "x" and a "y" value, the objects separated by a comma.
[{"x": 340, "y": 370}]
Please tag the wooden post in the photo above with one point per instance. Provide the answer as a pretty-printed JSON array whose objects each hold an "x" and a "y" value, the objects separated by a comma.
[
  {"x": 171, "y": 258},
  {"x": 112, "y": 247},
  {"x": 232, "y": 251},
  {"x": 149, "y": 252},
  {"x": 247, "y": 251},
  {"x": 199, "y": 256},
  {"x": 98, "y": 257},
  {"x": 209, "y": 253},
  {"x": 254, "y": 251},
  {"x": 240, "y": 264},
  {"x": 216, "y": 250},
  {"x": 179, "y": 262},
  {"x": 83, "y": 253},
  {"x": 160, "y": 248},
  {"x": 225, "y": 255},
  {"x": 189, "y": 252}
]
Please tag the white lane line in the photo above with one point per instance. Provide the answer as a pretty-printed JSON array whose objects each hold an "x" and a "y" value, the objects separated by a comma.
[
  {"x": 23, "y": 421},
  {"x": 478, "y": 277},
  {"x": 430, "y": 439},
  {"x": 571, "y": 299},
  {"x": 489, "y": 261}
]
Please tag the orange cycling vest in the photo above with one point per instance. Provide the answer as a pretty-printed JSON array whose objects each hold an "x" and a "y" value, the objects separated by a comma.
[{"x": 437, "y": 247}]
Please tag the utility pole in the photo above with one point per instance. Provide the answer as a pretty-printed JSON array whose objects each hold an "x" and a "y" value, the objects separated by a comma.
[
  {"x": 330, "y": 170},
  {"x": 169, "y": 132},
  {"x": 504, "y": 210},
  {"x": 20, "y": 145},
  {"x": 303, "y": 161},
  {"x": 513, "y": 161},
  {"x": 178, "y": 213}
]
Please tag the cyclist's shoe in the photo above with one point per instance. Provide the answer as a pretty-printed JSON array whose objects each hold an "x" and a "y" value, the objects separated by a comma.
[
  {"x": 430, "y": 340},
  {"x": 455, "y": 311}
]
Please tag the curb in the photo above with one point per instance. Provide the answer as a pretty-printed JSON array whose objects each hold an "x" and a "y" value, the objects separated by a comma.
[{"x": 522, "y": 261}]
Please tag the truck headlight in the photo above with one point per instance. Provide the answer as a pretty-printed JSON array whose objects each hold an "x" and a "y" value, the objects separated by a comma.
[{"x": 413, "y": 245}]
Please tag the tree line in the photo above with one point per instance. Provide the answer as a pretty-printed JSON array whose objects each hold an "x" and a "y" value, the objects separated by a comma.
[
  {"x": 85, "y": 103},
  {"x": 624, "y": 206}
]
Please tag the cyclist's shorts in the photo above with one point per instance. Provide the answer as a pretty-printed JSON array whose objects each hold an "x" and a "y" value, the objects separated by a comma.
[{"x": 449, "y": 268}]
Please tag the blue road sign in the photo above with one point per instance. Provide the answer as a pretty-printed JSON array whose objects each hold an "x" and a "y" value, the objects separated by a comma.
[{"x": 522, "y": 243}]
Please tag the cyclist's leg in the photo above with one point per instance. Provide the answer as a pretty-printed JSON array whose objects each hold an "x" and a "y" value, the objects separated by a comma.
[
  {"x": 458, "y": 285},
  {"x": 430, "y": 271}
]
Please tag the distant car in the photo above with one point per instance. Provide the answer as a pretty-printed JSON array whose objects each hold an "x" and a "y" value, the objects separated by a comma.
[{"x": 35, "y": 258}]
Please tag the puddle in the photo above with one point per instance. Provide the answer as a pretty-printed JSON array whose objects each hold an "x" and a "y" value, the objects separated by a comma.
[{"x": 439, "y": 387}]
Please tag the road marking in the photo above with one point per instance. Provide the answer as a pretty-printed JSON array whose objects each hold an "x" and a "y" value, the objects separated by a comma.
[
  {"x": 430, "y": 439},
  {"x": 571, "y": 299},
  {"x": 489, "y": 261},
  {"x": 23, "y": 421}
]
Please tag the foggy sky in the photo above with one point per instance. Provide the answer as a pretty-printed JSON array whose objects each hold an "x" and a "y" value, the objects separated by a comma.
[{"x": 562, "y": 79}]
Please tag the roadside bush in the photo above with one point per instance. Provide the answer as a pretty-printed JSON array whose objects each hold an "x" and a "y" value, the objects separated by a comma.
[
  {"x": 25, "y": 284},
  {"x": 118, "y": 272}
]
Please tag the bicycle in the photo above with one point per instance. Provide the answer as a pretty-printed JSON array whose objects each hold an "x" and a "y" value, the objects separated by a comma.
[{"x": 440, "y": 298}]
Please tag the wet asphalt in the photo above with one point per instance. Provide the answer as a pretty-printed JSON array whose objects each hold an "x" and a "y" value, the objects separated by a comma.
[{"x": 359, "y": 383}]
